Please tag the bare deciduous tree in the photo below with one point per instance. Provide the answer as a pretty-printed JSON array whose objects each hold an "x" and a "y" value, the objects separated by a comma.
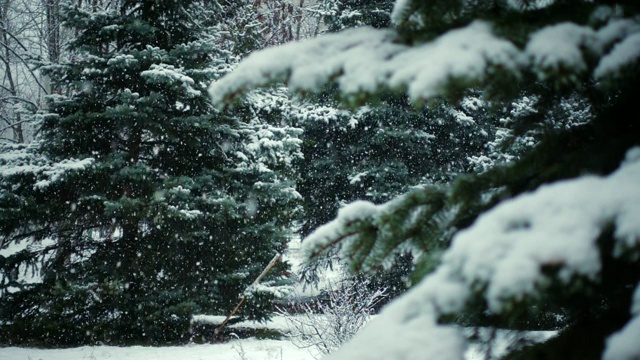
[
  {"x": 29, "y": 35},
  {"x": 326, "y": 322}
]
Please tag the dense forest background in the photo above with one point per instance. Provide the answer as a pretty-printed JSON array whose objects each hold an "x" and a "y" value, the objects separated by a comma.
[{"x": 156, "y": 155}]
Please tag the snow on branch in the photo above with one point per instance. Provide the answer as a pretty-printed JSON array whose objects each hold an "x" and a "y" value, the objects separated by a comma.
[
  {"x": 624, "y": 345},
  {"x": 365, "y": 60},
  {"x": 400, "y": 11},
  {"x": 26, "y": 159},
  {"x": 370, "y": 235},
  {"x": 624, "y": 54},
  {"x": 557, "y": 225},
  {"x": 501, "y": 258},
  {"x": 558, "y": 46},
  {"x": 169, "y": 74},
  {"x": 309, "y": 64},
  {"x": 470, "y": 52}
]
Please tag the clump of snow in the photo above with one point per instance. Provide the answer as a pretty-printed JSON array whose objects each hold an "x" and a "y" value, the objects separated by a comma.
[
  {"x": 26, "y": 159},
  {"x": 472, "y": 103},
  {"x": 635, "y": 303},
  {"x": 163, "y": 73},
  {"x": 632, "y": 156},
  {"x": 623, "y": 54},
  {"x": 467, "y": 52},
  {"x": 122, "y": 60},
  {"x": 529, "y": 4},
  {"x": 56, "y": 170},
  {"x": 624, "y": 345},
  {"x": 308, "y": 64},
  {"x": 417, "y": 338},
  {"x": 278, "y": 291},
  {"x": 501, "y": 257},
  {"x": 357, "y": 210},
  {"x": 278, "y": 322},
  {"x": 616, "y": 30},
  {"x": 524, "y": 106},
  {"x": 400, "y": 11},
  {"x": 267, "y": 146},
  {"x": 507, "y": 248},
  {"x": 326, "y": 235},
  {"x": 208, "y": 319},
  {"x": 365, "y": 59},
  {"x": 354, "y": 179},
  {"x": 462, "y": 118},
  {"x": 560, "y": 47}
]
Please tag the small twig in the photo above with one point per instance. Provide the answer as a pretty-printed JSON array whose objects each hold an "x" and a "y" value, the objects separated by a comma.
[
  {"x": 272, "y": 263},
  {"x": 14, "y": 124}
]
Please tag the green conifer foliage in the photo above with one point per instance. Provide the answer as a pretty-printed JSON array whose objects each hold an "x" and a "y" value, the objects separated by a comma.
[
  {"x": 158, "y": 213},
  {"x": 548, "y": 241},
  {"x": 343, "y": 14}
]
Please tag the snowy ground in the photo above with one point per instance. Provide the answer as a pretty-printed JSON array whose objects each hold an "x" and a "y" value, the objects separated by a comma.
[{"x": 245, "y": 349}]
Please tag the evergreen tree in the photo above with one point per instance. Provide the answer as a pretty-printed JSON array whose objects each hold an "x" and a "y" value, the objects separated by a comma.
[
  {"x": 141, "y": 205},
  {"x": 344, "y": 14},
  {"x": 554, "y": 248},
  {"x": 383, "y": 149}
]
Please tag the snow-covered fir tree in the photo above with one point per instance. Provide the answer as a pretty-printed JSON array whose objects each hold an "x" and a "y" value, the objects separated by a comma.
[
  {"x": 140, "y": 204},
  {"x": 547, "y": 241},
  {"x": 344, "y": 14},
  {"x": 386, "y": 147}
]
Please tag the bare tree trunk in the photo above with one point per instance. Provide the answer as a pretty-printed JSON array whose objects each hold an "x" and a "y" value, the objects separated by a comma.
[
  {"x": 16, "y": 126},
  {"x": 52, "y": 8},
  {"x": 52, "y": 11},
  {"x": 299, "y": 19}
]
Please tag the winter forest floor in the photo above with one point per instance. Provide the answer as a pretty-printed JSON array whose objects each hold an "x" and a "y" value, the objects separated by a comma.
[
  {"x": 250, "y": 348},
  {"x": 247, "y": 349},
  {"x": 244, "y": 349}
]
